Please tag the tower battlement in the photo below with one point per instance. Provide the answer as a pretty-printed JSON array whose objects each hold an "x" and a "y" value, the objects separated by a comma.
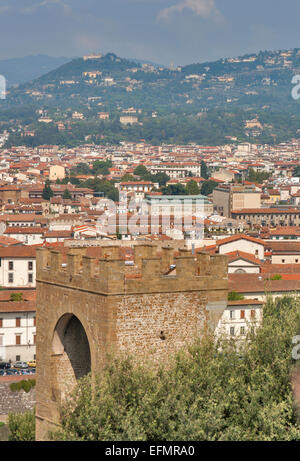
[{"x": 151, "y": 272}]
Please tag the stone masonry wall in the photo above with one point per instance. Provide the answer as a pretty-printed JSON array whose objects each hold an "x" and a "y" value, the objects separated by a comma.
[
  {"x": 159, "y": 324},
  {"x": 15, "y": 402}
]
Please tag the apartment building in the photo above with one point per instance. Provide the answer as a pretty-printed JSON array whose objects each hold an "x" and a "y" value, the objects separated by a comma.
[
  {"x": 17, "y": 331},
  {"x": 227, "y": 198},
  {"x": 240, "y": 317},
  {"x": 181, "y": 205},
  {"x": 176, "y": 171},
  {"x": 140, "y": 188},
  {"x": 17, "y": 267},
  {"x": 267, "y": 217}
]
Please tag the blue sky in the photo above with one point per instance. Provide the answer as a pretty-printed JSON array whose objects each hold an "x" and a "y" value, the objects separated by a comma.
[{"x": 164, "y": 31}]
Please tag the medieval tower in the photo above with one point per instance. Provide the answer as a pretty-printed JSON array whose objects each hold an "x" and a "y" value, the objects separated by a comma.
[{"x": 89, "y": 307}]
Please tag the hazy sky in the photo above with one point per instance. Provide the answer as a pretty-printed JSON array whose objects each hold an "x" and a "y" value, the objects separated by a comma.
[{"x": 164, "y": 31}]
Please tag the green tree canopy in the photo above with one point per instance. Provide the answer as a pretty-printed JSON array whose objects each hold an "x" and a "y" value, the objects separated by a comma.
[
  {"x": 174, "y": 189},
  {"x": 141, "y": 171},
  {"x": 208, "y": 187},
  {"x": 212, "y": 390},
  {"x": 204, "y": 170},
  {"x": 192, "y": 188},
  {"x": 47, "y": 191},
  {"x": 296, "y": 171},
  {"x": 81, "y": 168},
  {"x": 102, "y": 168},
  {"x": 67, "y": 195}
]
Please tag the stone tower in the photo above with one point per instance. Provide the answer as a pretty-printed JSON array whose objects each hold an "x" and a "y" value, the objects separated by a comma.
[{"x": 87, "y": 308}]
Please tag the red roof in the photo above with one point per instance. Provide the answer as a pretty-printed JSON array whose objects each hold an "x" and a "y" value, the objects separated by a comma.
[
  {"x": 235, "y": 255},
  {"x": 234, "y": 238}
]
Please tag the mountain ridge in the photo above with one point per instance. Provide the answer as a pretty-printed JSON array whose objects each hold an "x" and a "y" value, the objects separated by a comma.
[
  {"x": 22, "y": 69},
  {"x": 245, "y": 97}
]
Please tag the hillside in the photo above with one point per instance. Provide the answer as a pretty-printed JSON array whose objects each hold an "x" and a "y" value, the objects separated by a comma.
[{"x": 252, "y": 87}]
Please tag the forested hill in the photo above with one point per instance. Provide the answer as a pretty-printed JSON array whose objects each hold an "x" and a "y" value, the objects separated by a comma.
[
  {"x": 250, "y": 80},
  {"x": 252, "y": 86}
]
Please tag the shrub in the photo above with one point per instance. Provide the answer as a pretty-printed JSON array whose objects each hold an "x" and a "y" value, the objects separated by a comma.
[
  {"x": 212, "y": 390},
  {"x": 14, "y": 387},
  {"x": 26, "y": 385},
  {"x": 276, "y": 277},
  {"x": 16, "y": 297},
  {"x": 22, "y": 427},
  {"x": 234, "y": 296}
]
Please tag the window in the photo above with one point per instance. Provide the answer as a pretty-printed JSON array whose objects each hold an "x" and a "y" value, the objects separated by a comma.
[
  {"x": 34, "y": 321},
  {"x": 18, "y": 340},
  {"x": 283, "y": 261},
  {"x": 231, "y": 331},
  {"x": 18, "y": 321},
  {"x": 1, "y": 323},
  {"x": 10, "y": 265},
  {"x": 30, "y": 265},
  {"x": 34, "y": 339},
  {"x": 242, "y": 314},
  {"x": 232, "y": 315},
  {"x": 242, "y": 331},
  {"x": 30, "y": 278},
  {"x": 10, "y": 277},
  {"x": 18, "y": 358}
]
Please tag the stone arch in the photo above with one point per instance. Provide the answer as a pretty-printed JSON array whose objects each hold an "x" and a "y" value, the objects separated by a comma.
[{"x": 71, "y": 355}]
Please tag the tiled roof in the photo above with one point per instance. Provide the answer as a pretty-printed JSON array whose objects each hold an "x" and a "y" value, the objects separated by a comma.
[
  {"x": 235, "y": 255},
  {"x": 17, "y": 306},
  {"x": 245, "y": 302},
  {"x": 24, "y": 251},
  {"x": 235, "y": 238},
  {"x": 266, "y": 211},
  {"x": 24, "y": 230},
  {"x": 255, "y": 283}
]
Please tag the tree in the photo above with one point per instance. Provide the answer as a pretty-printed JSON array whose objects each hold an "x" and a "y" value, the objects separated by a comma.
[
  {"x": 204, "y": 170},
  {"x": 257, "y": 176},
  {"x": 174, "y": 189},
  {"x": 101, "y": 167},
  {"x": 81, "y": 168},
  {"x": 141, "y": 171},
  {"x": 67, "y": 195},
  {"x": 212, "y": 390},
  {"x": 296, "y": 171},
  {"x": 47, "y": 191},
  {"x": 208, "y": 187},
  {"x": 128, "y": 178},
  {"x": 192, "y": 188},
  {"x": 161, "y": 178}
]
